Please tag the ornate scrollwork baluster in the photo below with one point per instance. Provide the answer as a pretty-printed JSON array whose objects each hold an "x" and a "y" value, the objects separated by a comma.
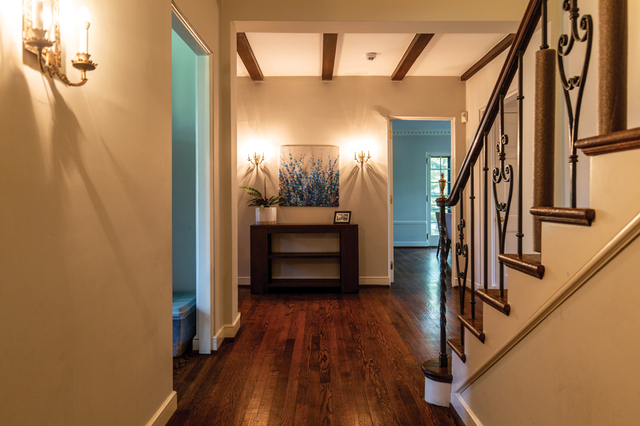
[
  {"x": 462, "y": 250},
  {"x": 503, "y": 172},
  {"x": 565, "y": 47}
]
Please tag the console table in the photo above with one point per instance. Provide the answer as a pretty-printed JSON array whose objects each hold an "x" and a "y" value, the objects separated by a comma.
[{"x": 262, "y": 256}]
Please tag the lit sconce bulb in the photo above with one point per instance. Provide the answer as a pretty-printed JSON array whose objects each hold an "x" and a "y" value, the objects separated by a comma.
[
  {"x": 361, "y": 157},
  {"x": 47, "y": 17},
  {"x": 256, "y": 160},
  {"x": 84, "y": 21}
]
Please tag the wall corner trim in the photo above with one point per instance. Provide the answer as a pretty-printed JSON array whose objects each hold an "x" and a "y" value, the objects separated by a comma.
[
  {"x": 166, "y": 410},
  {"x": 217, "y": 339}
]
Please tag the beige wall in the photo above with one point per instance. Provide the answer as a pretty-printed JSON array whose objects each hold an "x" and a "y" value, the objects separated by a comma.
[
  {"x": 350, "y": 112},
  {"x": 85, "y": 253},
  {"x": 288, "y": 15}
]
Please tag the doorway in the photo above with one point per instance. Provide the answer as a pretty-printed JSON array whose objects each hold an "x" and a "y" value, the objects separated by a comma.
[
  {"x": 419, "y": 150},
  {"x": 191, "y": 173}
]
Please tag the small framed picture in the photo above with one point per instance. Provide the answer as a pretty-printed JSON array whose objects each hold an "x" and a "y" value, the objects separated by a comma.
[{"x": 341, "y": 218}]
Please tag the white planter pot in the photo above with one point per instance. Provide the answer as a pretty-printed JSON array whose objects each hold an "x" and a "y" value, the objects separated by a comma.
[{"x": 267, "y": 216}]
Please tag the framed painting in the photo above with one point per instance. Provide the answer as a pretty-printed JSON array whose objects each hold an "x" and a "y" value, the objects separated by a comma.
[{"x": 309, "y": 175}]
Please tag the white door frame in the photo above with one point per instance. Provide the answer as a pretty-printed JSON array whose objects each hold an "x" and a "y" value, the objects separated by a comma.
[
  {"x": 454, "y": 170},
  {"x": 202, "y": 342}
]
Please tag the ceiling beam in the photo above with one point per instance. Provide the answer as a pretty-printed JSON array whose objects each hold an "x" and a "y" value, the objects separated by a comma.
[
  {"x": 248, "y": 58},
  {"x": 486, "y": 59},
  {"x": 414, "y": 50},
  {"x": 329, "y": 44}
]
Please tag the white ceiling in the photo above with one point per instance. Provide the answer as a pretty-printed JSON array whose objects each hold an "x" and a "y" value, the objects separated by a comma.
[{"x": 300, "y": 54}]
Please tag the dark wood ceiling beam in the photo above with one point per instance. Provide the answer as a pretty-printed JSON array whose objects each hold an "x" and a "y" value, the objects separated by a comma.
[
  {"x": 486, "y": 59},
  {"x": 414, "y": 50},
  {"x": 329, "y": 45},
  {"x": 248, "y": 58}
]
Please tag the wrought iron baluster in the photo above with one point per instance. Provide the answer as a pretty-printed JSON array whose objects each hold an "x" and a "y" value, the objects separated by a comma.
[
  {"x": 472, "y": 230},
  {"x": 502, "y": 173},
  {"x": 485, "y": 195},
  {"x": 520, "y": 98},
  {"x": 462, "y": 250},
  {"x": 565, "y": 46}
]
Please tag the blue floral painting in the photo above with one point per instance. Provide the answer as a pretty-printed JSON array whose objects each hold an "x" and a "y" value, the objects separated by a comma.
[{"x": 310, "y": 175}]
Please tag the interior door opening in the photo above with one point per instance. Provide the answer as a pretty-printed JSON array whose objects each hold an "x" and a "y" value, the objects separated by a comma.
[
  {"x": 421, "y": 151},
  {"x": 191, "y": 178},
  {"x": 412, "y": 142}
]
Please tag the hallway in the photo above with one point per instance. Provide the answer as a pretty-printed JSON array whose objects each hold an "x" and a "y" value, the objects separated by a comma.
[{"x": 304, "y": 359}]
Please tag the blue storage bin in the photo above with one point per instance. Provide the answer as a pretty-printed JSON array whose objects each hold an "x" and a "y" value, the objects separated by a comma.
[{"x": 184, "y": 321}]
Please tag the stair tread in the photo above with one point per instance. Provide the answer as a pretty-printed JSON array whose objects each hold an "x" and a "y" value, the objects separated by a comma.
[
  {"x": 474, "y": 325},
  {"x": 622, "y": 140},
  {"x": 568, "y": 215},
  {"x": 492, "y": 298},
  {"x": 529, "y": 264},
  {"x": 456, "y": 346}
]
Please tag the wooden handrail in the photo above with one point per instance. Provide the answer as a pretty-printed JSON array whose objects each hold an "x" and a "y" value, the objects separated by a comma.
[{"x": 523, "y": 37}]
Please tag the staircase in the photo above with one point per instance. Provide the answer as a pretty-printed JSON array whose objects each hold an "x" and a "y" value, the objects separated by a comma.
[{"x": 551, "y": 349}]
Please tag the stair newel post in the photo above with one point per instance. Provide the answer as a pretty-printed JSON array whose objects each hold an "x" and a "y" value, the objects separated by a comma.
[
  {"x": 443, "y": 280},
  {"x": 472, "y": 240},
  {"x": 544, "y": 113},
  {"x": 520, "y": 99},
  {"x": 485, "y": 214},
  {"x": 565, "y": 46}
]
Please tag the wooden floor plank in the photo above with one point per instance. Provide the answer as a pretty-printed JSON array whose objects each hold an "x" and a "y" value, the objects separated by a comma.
[{"x": 330, "y": 359}]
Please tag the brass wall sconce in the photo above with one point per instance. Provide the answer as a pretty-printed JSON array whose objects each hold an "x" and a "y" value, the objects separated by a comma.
[
  {"x": 41, "y": 36},
  {"x": 256, "y": 160},
  {"x": 361, "y": 157}
]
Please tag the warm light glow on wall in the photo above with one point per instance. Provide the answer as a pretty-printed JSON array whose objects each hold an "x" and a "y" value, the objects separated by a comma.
[
  {"x": 257, "y": 150},
  {"x": 361, "y": 148}
]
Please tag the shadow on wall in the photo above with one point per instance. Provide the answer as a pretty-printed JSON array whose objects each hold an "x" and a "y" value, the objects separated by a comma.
[{"x": 32, "y": 253}]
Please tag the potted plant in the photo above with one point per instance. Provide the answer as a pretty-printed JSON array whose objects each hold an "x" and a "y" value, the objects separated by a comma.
[{"x": 266, "y": 213}]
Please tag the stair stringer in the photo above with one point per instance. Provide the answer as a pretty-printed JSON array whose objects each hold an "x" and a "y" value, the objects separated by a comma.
[
  {"x": 565, "y": 249},
  {"x": 574, "y": 361}
]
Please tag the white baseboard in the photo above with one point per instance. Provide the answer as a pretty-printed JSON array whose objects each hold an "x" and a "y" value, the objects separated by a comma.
[
  {"x": 166, "y": 410},
  {"x": 384, "y": 280},
  {"x": 195, "y": 344},
  {"x": 244, "y": 280},
  {"x": 424, "y": 244},
  {"x": 230, "y": 330},
  {"x": 464, "y": 411}
]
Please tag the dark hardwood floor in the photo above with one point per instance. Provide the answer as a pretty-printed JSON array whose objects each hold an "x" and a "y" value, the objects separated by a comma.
[{"x": 326, "y": 359}]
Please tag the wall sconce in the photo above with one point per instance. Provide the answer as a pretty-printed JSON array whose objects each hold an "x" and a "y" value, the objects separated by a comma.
[
  {"x": 256, "y": 160},
  {"x": 41, "y": 36},
  {"x": 360, "y": 157}
]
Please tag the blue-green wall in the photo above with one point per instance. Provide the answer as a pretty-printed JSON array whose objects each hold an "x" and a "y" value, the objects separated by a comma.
[
  {"x": 183, "y": 67},
  {"x": 412, "y": 142}
]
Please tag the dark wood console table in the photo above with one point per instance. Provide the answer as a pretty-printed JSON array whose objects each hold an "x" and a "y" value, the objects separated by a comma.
[{"x": 262, "y": 255}]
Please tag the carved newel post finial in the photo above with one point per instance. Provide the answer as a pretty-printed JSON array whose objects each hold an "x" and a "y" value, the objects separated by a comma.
[{"x": 443, "y": 184}]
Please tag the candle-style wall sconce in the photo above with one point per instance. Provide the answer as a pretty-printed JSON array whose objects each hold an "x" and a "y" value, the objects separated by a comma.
[
  {"x": 41, "y": 36},
  {"x": 256, "y": 160},
  {"x": 361, "y": 157}
]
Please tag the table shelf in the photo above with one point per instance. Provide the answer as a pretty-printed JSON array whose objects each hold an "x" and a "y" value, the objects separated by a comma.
[{"x": 262, "y": 257}]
